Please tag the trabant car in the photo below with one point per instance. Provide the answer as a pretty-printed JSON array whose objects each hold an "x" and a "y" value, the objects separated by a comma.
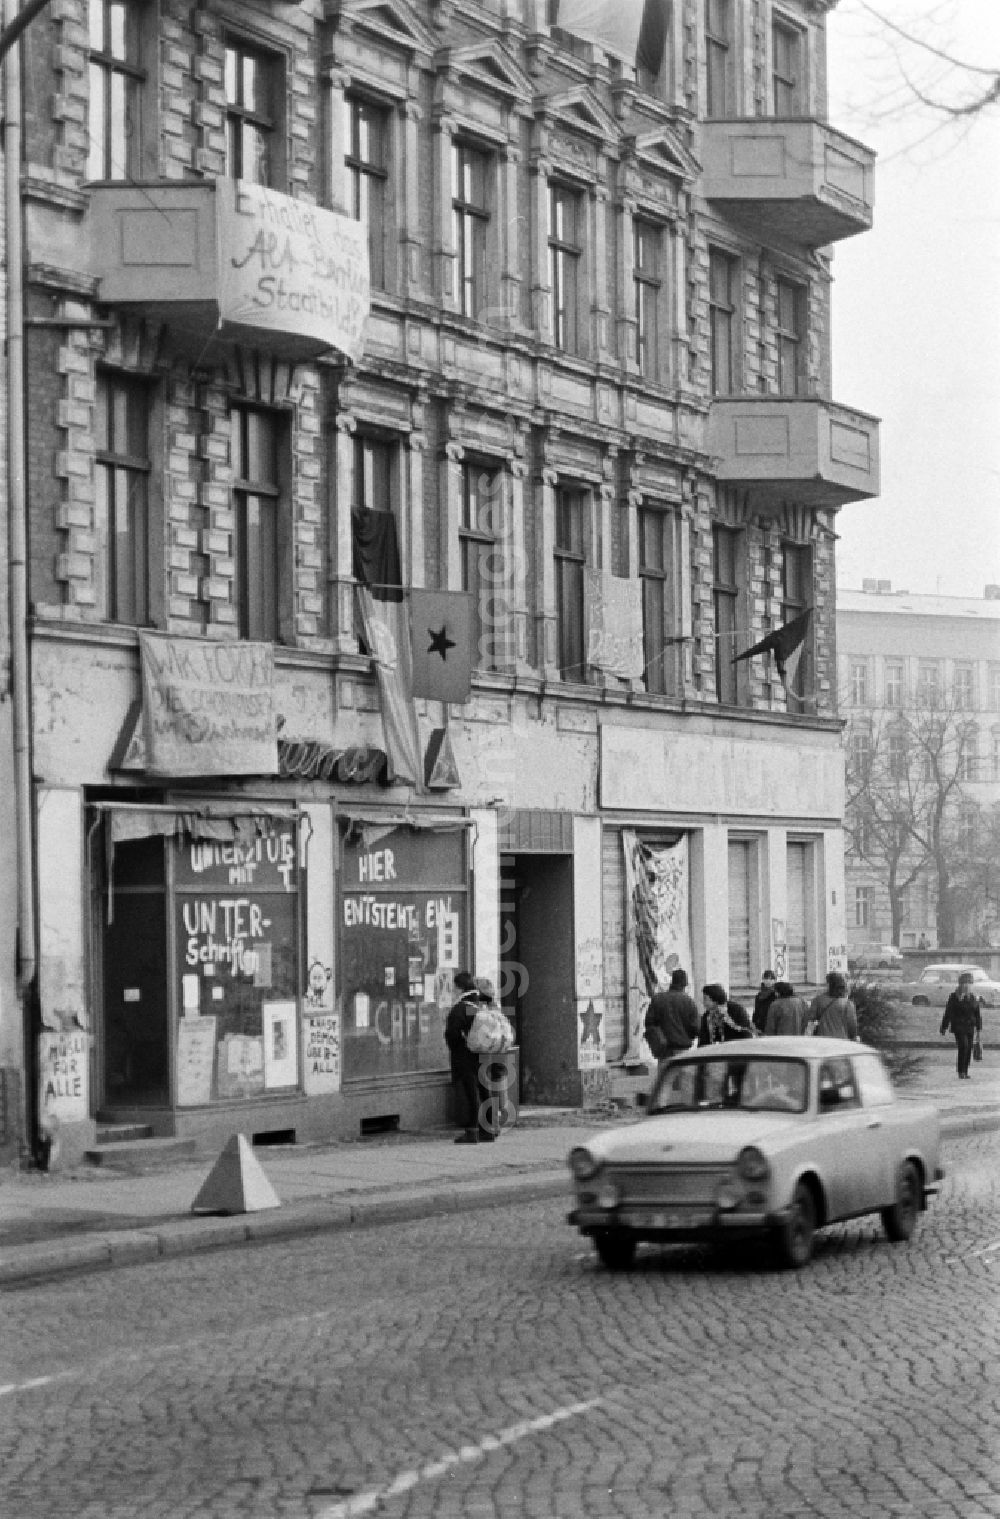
[
  {"x": 776, "y": 1136},
  {"x": 876, "y": 957},
  {"x": 937, "y": 982}
]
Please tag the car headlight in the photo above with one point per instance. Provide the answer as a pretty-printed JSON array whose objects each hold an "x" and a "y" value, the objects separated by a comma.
[
  {"x": 752, "y": 1164},
  {"x": 582, "y": 1164}
]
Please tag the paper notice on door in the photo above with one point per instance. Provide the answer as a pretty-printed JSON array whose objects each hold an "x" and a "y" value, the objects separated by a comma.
[{"x": 195, "y": 1061}]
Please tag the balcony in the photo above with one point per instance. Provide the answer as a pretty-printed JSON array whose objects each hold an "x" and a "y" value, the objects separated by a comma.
[
  {"x": 814, "y": 451},
  {"x": 797, "y": 181},
  {"x": 225, "y": 262}
]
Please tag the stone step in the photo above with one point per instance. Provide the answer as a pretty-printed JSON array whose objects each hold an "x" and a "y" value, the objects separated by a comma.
[
  {"x": 139, "y": 1154},
  {"x": 120, "y": 1133}
]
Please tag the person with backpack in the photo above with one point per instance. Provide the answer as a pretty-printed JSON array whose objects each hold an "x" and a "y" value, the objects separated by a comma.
[
  {"x": 465, "y": 1062},
  {"x": 832, "y": 1014}
]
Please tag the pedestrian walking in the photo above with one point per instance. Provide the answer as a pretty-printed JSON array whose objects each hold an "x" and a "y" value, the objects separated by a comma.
[
  {"x": 787, "y": 1014},
  {"x": 832, "y": 1014},
  {"x": 672, "y": 1019},
  {"x": 465, "y": 1062},
  {"x": 723, "y": 1018},
  {"x": 963, "y": 1016},
  {"x": 765, "y": 996}
]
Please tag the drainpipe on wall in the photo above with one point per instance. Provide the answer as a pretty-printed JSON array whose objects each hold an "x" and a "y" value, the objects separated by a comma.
[{"x": 18, "y": 515}]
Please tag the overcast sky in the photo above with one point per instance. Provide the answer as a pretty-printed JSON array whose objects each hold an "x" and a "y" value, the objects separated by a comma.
[{"x": 916, "y": 301}]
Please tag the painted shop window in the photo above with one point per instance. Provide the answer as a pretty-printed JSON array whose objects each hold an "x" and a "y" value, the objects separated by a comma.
[
  {"x": 648, "y": 282},
  {"x": 253, "y": 116},
  {"x": 725, "y": 601},
  {"x": 482, "y": 560},
  {"x": 236, "y": 920},
  {"x": 403, "y": 931},
  {"x": 723, "y": 281},
  {"x": 787, "y": 69},
  {"x": 570, "y": 559},
  {"x": 367, "y": 160},
  {"x": 472, "y": 171},
  {"x": 565, "y": 250},
  {"x": 121, "y": 505},
  {"x": 257, "y": 502},
  {"x": 116, "y": 79}
]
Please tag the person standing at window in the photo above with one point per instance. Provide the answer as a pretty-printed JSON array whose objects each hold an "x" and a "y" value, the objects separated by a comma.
[{"x": 963, "y": 1017}]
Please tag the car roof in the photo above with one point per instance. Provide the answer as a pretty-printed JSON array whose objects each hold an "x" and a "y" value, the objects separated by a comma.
[
  {"x": 779, "y": 1046},
  {"x": 954, "y": 967}
]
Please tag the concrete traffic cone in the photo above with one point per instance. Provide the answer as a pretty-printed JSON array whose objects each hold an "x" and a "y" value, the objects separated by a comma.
[{"x": 236, "y": 1183}]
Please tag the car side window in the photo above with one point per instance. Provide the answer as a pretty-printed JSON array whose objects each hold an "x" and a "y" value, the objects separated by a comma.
[
  {"x": 837, "y": 1087},
  {"x": 874, "y": 1081}
]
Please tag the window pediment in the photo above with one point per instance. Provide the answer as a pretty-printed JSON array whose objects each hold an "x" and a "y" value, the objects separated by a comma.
[
  {"x": 392, "y": 22},
  {"x": 662, "y": 153},
  {"x": 580, "y": 111},
  {"x": 488, "y": 66}
]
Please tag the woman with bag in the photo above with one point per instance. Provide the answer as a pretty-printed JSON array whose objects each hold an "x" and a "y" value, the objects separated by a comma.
[
  {"x": 465, "y": 1062},
  {"x": 963, "y": 1017}
]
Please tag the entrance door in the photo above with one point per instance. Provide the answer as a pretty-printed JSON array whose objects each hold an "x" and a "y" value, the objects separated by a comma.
[
  {"x": 136, "y": 1030},
  {"x": 537, "y": 973}
]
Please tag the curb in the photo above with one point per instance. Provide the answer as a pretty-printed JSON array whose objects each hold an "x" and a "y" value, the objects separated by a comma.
[{"x": 191, "y": 1234}]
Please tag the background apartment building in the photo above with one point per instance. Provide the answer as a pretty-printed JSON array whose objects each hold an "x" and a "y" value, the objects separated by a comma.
[
  {"x": 920, "y": 684},
  {"x": 592, "y": 393}
]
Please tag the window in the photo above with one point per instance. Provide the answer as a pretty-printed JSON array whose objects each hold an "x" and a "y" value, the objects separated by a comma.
[
  {"x": 121, "y": 509},
  {"x": 968, "y": 828},
  {"x": 861, "y": 751},
  {"x": 257, "y": 495},
  {"x": 995, "y": 688},
  {"x": 893, "y": 685},
  {"x": 862, "y": 906},
  {"x": 897, "y": 757},
  {"x": 656, "y": 565},
  {"x": 722, "y": 274},
  {"x": 719, "y": 100},
  {"x": 116, "y": 81},
  {"x": 859, "y": 684},
  {"x": 744, "y": 913},
  {"x": 470, "y": 170},
  {"x": 251, "y": 114},
  {"x": 929, "y": 685},
  {"x": 367, "y": 137},
  {"x": 564, "y": 263},
  {"x": 648, "y": 241},
  {"x": 725, "y": 598},
  {"x": 965, "y": 698},
  {"x": 791, "y": 332},
  {"x": 836, "y": 1084},
  {"x": 968, "y": 757},
  {"x": 787, "y": 52},
  {"x": 863, "y": 834},
  {"x": 656, "y": 48},
  {"x": 800, "y": 911},
  {"x": 481, "y": 487},
  {"x": 874, "y": 1081},
  {"x": 797, "y": 595},
  {"x": 995, "y": 756},
  {"x": 374, "y": 473},
  {"x": 570, "y": 559}
]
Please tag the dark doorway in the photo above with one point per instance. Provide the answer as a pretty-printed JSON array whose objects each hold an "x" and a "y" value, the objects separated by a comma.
[
  {"x": 136, "y": 1033},
  {"x": 537, "y": 973}
]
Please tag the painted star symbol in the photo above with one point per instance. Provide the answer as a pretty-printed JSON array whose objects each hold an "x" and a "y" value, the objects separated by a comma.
[
  {"x": 440, "y": 642},
  {"x": 591, "y": 1020}
]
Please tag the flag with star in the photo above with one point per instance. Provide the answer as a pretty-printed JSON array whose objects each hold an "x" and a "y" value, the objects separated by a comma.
[{"x": 441, "y": 637}]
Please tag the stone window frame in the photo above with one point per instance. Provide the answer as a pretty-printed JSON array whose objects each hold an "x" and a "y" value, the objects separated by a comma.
[{"x": 144, "y": 69}]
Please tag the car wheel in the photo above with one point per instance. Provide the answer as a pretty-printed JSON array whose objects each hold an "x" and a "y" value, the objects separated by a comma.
[
  {"x": 794, "y": 1238},
  {"x": 615, "y": 1248},
  {"x": 900, "y": 1220}
]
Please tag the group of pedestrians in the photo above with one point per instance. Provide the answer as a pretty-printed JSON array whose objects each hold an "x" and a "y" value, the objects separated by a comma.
[{"x": 673, "y": 1022}]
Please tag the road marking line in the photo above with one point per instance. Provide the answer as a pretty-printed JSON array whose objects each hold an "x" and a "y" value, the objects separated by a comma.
[
  {"x": 371, "y": 1500},
  {"x": 7, "y": 1388},
  {"x": 950, "y": 1260}
]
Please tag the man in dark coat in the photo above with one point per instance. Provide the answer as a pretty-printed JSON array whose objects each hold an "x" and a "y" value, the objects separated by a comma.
[
  {"x": 763, "y": 1000},
  {"x": 465, "y": 1062},
  {"x": 672, "y": 1019},
  {"x": 963, "y": 1017}
]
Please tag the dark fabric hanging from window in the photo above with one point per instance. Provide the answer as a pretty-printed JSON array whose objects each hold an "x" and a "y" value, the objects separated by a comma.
[{"x": 375, "y": 553}]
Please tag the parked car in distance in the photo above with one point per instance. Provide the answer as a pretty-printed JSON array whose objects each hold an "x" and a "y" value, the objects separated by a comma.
[
  {"x": 937, "y": 982},
  {"x": 776, "y": 1137},
  {"x": 876, "y": 957}
]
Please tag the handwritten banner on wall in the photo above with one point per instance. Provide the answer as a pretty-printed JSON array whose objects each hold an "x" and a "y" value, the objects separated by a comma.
[
  {"x": 208, "y": 707},
  {"x": 288, "y": 266},
  {"x": 614, "y": 624}
]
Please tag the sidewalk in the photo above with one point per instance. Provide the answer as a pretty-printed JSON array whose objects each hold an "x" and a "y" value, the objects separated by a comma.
[{"x": 94, "y": 1218}]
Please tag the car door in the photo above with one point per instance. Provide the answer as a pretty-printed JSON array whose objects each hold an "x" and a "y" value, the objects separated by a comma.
[
  {"x": 854, "y": 1184},
  {"x": 883, "y": 1121}
]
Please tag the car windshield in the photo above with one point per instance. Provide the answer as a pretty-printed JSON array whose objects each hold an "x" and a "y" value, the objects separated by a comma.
[{"x": 777, "y": 1086}]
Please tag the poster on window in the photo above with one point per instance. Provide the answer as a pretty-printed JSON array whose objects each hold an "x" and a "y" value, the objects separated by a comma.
[
  {"x": 613, "y": 609},
  {"x": 281, "y": 1051},
  {"x": 657, "y": 928}
]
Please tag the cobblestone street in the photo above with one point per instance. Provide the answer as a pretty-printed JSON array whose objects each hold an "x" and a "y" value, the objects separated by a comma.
[{"x": 483, "y": 1365}]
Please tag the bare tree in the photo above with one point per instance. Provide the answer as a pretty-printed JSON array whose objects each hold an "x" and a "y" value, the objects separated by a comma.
[{"x": 905, "y": 800}]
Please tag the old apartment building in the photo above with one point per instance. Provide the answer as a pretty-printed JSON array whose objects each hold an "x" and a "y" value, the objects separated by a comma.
[{"x": 446, "y": 299}]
